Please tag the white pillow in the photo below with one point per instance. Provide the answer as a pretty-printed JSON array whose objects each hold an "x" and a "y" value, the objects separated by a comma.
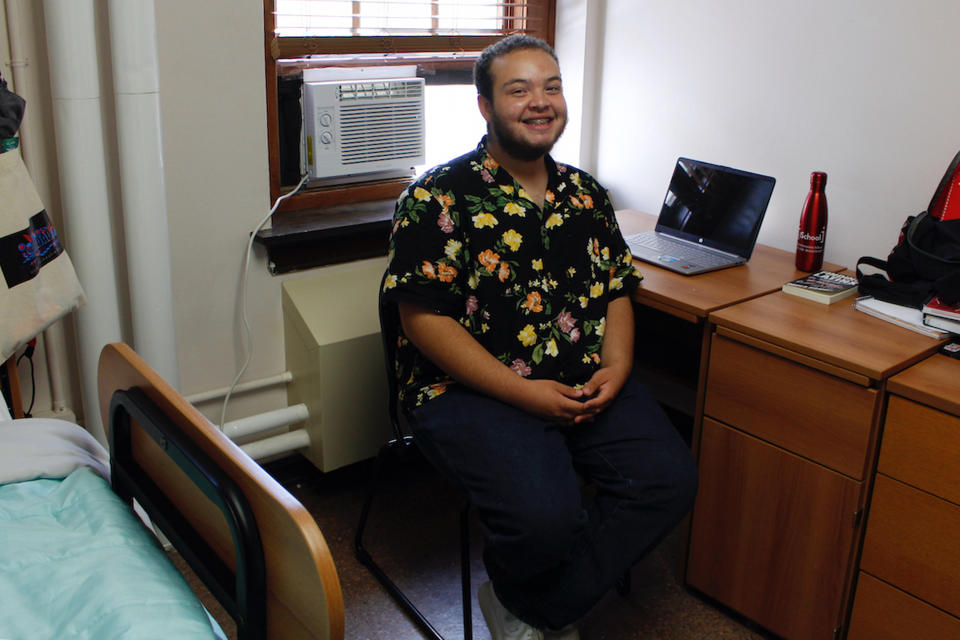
[{"x": 48, "y": 448}]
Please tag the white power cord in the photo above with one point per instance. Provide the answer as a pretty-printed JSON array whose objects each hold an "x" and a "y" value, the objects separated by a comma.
[{"x": 243, "y": 297}]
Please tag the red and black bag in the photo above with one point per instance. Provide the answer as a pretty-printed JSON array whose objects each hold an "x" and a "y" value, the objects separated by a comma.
[{"x": 926, "y": 260}]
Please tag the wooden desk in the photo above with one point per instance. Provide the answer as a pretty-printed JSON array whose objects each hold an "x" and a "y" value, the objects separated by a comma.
[
  {"x": 793, "y": 400},
  {"x": 693, "y": 298},
  {"x": 789, "y": 399},
  {"x": 836, "y": 338},
  {"x": 935, "y": 382},
  {"x": 909, "y": 580}
]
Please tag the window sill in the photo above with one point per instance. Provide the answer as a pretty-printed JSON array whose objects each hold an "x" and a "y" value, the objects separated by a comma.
[{"x": 316, "y": 237}]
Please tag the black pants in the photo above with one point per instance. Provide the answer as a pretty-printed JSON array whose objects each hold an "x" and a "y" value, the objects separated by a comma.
[{"x": 550, "y": 557}]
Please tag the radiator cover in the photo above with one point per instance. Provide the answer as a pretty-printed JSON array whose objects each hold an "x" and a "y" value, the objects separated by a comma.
[{"x": 333, "y": 349}]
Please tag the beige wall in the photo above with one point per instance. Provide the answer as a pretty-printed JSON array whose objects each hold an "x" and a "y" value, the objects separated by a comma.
[
  {"x": 210, "y": 57},
  {"x": 213, "y": 112}
]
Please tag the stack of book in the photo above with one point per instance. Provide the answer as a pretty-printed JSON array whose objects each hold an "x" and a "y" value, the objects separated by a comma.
[
  {"x": 907, "y": 317},
  {"x": 824, "y": 286},
  {"x": 937, "y": 313}
]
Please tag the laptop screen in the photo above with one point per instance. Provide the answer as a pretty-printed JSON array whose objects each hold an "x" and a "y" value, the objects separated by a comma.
[{"x": 715, "y": 206}]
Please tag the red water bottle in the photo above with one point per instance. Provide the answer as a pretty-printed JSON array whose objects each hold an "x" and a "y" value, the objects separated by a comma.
[{"x": 813, "y": 225}]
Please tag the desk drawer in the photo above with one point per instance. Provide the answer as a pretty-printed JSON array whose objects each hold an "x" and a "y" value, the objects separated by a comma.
[
  {"x": 882, "y": 612},
  {"x": 772, "y": 534},
  {"x": 911, "y": 542},
  {"x": 921, "y": 447},
  {"x": 803, "y": 410}
]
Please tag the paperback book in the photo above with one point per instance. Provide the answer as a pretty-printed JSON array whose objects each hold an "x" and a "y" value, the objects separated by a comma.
[
  {"x": 937, "y": 307},
  {"x": 937, "y": 313},
  {"x": 824, "y": 286},
  {"x": 953, "y": 326}
]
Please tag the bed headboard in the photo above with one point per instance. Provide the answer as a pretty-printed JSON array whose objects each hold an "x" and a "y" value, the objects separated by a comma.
[{"x": 303, "y": 596}]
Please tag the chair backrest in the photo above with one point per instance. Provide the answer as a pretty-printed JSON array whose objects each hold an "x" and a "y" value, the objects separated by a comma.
[{"x": 390, "y": 334}]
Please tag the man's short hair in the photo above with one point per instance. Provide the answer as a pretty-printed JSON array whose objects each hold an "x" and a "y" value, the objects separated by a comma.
[{"x": 481, "y": 68}]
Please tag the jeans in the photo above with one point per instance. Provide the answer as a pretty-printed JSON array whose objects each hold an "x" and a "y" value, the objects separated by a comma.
[{"x": 549, "y": 556}]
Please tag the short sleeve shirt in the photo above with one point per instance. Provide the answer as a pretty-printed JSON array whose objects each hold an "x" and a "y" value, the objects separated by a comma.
[{"x": 531, "y": 285}]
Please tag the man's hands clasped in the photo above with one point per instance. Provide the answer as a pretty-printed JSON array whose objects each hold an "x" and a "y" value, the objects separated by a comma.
[{"x": 571, "y": 405}]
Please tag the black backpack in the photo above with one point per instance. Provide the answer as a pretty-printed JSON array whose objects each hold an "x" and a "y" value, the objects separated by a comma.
[
  {"x": 11, "y": 111},
  {"x": 926, "y": 260}
]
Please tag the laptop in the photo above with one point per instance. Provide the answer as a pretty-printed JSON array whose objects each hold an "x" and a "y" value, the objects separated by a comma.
[{"x": 709, "y": 220}]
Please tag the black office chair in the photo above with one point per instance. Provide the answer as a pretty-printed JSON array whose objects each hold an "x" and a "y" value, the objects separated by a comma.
[{"x": 403, "y": 444}]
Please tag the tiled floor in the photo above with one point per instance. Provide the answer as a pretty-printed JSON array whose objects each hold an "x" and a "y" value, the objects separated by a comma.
[{"x": 413, "y": 533}]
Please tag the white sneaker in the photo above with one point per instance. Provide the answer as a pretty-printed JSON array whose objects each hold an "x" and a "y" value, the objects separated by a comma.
[{"x": 503, "y": 624}]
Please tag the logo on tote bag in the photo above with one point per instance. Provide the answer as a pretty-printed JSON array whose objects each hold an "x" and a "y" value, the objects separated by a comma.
[{"x": 24, "y": 252}]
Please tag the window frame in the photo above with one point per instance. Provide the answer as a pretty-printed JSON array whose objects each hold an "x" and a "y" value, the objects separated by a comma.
[{"x": 278, "y": 48}]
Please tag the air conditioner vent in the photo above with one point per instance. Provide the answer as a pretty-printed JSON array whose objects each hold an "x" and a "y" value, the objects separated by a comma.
[
  {"x": 372, "y": 132},
  {"x": 386, "y": 90}
]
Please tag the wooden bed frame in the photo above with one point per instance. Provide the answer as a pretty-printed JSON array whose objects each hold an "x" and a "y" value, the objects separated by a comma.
[{"x": 253, "y": 544}]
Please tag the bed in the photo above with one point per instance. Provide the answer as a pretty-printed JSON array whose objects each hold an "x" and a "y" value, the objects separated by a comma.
[{"x": 76, "y": 561}]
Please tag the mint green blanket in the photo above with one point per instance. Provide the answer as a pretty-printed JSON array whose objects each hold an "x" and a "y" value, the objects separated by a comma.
[{"x": 75, "y": 562}]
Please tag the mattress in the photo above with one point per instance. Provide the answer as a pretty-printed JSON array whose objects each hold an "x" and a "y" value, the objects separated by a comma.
[{"x": 74, "y": 559}]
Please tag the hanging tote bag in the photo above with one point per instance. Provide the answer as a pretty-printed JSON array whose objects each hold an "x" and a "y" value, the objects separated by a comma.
[{"x": 38, "y": 284}]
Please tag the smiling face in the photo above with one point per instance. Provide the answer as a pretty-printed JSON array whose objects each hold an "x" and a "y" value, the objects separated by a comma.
[{"x": 527, "y": 112}]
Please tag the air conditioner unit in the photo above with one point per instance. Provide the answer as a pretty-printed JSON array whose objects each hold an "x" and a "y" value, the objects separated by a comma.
[{"x": 359, "y": 127}]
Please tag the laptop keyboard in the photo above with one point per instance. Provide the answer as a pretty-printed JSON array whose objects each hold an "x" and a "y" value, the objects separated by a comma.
[{"x": 658, "y": 243}]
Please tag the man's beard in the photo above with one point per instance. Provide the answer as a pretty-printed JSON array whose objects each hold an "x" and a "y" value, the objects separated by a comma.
[{"x": 516, "y": 147}]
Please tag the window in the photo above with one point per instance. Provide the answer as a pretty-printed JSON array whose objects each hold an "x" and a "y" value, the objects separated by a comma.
[{"x": 441, "y": 37}]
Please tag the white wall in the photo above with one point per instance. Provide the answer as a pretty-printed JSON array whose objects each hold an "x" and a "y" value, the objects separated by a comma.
[
  {"x": 579, "y": 29},
  {"x": 862, "y": 89},
  {"x": 571, "y": 44}
]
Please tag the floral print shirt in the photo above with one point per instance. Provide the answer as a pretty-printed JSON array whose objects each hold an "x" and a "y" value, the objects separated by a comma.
[{"x": 531, "y": 285}]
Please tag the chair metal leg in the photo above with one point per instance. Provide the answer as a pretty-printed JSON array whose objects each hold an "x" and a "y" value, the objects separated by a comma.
[
  {"x": 364, "y": 557},
  {"x": 465, "y": 586}
]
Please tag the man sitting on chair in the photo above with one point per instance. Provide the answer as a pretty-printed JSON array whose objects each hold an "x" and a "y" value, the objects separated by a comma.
[{"x": 512, "y": 282}]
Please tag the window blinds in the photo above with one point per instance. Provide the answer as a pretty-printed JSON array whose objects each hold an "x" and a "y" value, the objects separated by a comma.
[{"x": 393, "y": 18}]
